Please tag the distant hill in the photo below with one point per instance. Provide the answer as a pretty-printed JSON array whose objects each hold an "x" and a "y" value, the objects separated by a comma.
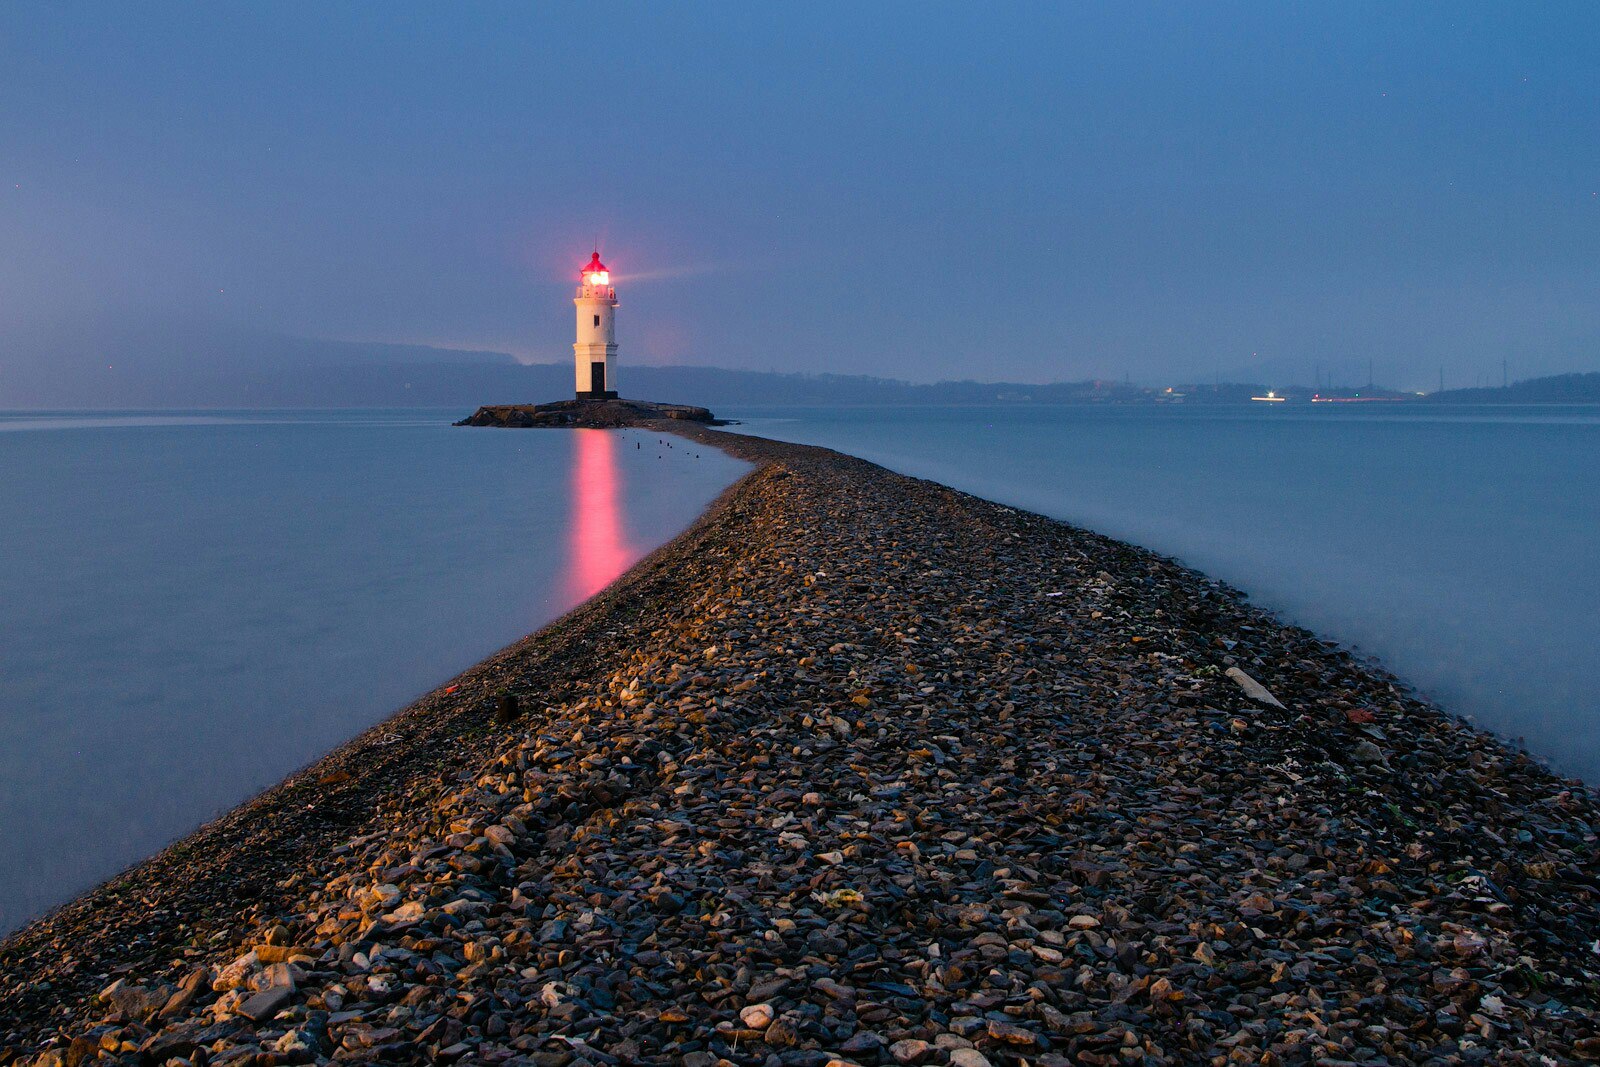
[
  {"x": 157, "y": 365},
  {"x": 163, "y": 365},
  {"x": 469, "y": 384},
  {"x": 715, "y": 385},
  {"x": 1556, "y": 389}
]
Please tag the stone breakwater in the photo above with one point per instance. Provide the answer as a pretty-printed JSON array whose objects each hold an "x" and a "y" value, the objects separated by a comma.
[{"x": 864, "y": 770}]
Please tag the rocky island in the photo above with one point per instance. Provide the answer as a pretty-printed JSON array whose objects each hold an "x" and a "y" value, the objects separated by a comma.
[
  {"x": 591, "y": 414},
  {"x": 863, "y": 770}
]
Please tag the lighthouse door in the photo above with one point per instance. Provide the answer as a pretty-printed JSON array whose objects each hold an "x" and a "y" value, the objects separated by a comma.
[{"x": 597, "y": 378}]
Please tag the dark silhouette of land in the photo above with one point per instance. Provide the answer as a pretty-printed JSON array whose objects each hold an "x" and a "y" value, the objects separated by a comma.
[
  {"x": 156, "y": 365},
  {"x": 1556, "y": 389}
]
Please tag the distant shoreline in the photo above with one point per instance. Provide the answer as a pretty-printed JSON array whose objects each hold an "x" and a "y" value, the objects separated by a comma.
[
  {"x": 980, "y": 729},
  {"x": 288, "y": 386},
  {"x": 207, "y": 412}
]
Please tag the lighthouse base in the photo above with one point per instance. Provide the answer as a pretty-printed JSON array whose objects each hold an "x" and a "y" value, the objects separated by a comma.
[
  {"x": 604, "y": 394},
  {"x": 587, "y": 414}
]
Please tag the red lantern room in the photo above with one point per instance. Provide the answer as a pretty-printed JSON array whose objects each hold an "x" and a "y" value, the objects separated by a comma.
[{"x": 594, "y": 272}]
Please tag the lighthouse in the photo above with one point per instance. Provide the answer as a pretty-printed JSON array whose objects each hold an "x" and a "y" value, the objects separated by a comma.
[{"x": 595, "y": 351}]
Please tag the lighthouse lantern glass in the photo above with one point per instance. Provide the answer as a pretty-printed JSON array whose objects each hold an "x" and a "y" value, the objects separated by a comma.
[{"x": 598, "y": 277}]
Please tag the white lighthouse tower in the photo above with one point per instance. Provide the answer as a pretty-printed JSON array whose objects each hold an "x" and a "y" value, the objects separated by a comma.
[{"x": 594, "y": 352}]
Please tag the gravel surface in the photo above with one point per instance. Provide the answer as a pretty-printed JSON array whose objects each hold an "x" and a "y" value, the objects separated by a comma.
[{"x": 865, "y": 770}]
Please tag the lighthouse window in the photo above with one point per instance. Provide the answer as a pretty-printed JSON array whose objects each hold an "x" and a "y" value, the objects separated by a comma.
[{"x": 597, "y": 320}]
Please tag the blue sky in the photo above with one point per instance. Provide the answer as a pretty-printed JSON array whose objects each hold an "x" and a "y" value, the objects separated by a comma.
[{"x": 1028, "y": 192}]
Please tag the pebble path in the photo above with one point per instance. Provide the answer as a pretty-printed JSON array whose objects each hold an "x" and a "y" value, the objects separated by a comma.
[{"x": 863, "y": 770}]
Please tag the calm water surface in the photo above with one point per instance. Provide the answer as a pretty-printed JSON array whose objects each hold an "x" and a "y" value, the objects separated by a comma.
[
  {"x": 193, "y": 606},
  {"x": 1460, "y": 546}
]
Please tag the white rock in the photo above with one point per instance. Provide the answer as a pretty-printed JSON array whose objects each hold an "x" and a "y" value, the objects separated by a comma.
[
  {"x": 409, "y": 912},
  {"x": 293, "y": 1042},
  {"x": 554, "y": 994},
  {"x": 1252, "y": 688},
  {"x": 236, "y": 974}
]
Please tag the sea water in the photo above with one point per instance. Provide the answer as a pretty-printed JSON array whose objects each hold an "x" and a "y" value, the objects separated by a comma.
[
  {"x": 193, "y": 606},
  {"x": 1459, "y": 546}
]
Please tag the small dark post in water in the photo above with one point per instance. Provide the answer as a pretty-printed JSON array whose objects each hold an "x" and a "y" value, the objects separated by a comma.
[{"x": 506, "y": 709}]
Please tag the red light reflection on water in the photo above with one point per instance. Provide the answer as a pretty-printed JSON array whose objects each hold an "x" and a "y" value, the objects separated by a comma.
[{"x": 596, "y": 549}]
